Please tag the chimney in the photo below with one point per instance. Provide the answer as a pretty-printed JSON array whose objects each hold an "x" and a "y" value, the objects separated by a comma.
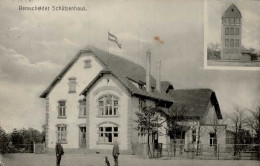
[
  {"x": 158, "y": 79},
  {"x": 148, "y": 71}
]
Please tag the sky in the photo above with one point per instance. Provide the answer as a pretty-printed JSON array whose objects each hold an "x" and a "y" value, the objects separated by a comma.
[
  {"x": 250, "y": 21},
  {"x": 35, "y": 46}
]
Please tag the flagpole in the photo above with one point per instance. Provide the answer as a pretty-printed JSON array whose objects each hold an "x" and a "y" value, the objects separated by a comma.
[
  {"x": 108, "y": 50},
  {"x": 138, "y": 48}
]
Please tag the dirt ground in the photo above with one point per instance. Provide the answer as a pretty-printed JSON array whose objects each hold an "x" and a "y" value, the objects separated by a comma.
[{"x": 124, "y": 160}]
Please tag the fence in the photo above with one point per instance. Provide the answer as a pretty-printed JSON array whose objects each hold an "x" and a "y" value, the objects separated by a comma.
[
  {"x": 39, "y": 148},
  {"x": 202, "y": 151},
  {"x": 26, "y": 148}
]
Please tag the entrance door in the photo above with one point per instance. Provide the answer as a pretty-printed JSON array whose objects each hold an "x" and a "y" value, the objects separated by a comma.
[{"x": 82, "y": 137}]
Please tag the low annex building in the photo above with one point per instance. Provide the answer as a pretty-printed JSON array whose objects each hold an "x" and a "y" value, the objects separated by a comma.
[{"x": 200, "y": 117}]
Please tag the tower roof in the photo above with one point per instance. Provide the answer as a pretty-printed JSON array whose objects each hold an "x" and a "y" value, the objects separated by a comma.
[{"x": 232, "y": 11}]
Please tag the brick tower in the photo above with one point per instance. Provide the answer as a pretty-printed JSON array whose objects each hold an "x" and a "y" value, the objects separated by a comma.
[{"x": 231, "y": 34}]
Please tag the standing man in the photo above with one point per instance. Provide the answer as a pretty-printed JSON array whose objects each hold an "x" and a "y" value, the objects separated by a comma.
[
  {"x": 59, "y": 153},
  {"x": 116, "y": 153}
]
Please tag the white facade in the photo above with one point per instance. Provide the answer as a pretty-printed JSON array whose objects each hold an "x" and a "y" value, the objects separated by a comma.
[
  {"x": 94, "y": 131},
  {"x": 61, "y": 92}
]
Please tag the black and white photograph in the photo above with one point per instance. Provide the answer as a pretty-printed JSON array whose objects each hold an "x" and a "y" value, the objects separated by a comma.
[
  {"x": 128, "y": 83},
  {"x": 232, "y": 34}
]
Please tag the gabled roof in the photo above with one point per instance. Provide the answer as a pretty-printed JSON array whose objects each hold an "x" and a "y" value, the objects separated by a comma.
[
  {"x": 232, "y": 11},
  {"x": 193, "y": 102},
  {"x": 122, "y": 69},
  {"x": 61, "y": 74}
]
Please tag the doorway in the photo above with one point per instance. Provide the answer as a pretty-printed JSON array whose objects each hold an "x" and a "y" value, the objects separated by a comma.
[{"x": 82, "y": 137}]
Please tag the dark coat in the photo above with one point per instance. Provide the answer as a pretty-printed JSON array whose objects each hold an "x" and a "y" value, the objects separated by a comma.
[
  {"x": 59, "y": 149},
  {"x": 116, "y": 150}
]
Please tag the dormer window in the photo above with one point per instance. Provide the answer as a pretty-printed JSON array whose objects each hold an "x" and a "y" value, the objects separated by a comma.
[
  {"x": 72, "y": 85},
  {"x": 141, "y": 86},
  {"x": 87, "y": 64}
]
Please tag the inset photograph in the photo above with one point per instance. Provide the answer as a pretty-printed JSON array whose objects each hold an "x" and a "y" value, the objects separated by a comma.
[{"x": 232, "y": 34}]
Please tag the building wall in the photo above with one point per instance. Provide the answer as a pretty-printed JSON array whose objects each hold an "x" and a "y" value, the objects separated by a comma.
[
  {"x": 205, "y": 134},
  {"x": 210, "y": 117},
  {"x": 60, "y": 92},
  {"x": 203, "y": 128},
  {"x": 229, "y": 52},
  {"x": 108, "y": 85}
]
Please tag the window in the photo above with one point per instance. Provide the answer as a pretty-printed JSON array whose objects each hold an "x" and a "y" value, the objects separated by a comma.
[
  {"x": 237, "y": 31},
  {"x": 227, "y": 31},
  {"x": 61, "y": 108},
  {"x": 237, "y": 21},
  {"x": 108, "y": 134},
  {"x": 142, "y": 135},
  {"x": 227, "y": 42},
  {"x": 62, "y": 133},
  {"x": 87, "y": 63},
  {"x": 108, "y": 105},
  {"x": 82, "y": 108},
  {"x": 232, "y": 21},
  {"x": 231, "y": 31},
  {"x": 142, "y": 103},
  {"x": 231, "y": 42},
  {"x": 193, "y": 136},
  {"x": 237, "y": 42},
  {"x": 227, "y": 21},
  {"x": 72, "y": 85},
  {"x": 212, "y": 139},
  {"x": 141, "y": 86}
]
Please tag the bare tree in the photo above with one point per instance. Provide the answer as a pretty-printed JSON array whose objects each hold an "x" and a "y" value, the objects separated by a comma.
[
  {"x": 253, "y": 121},
  {"x": 213, "y": 49},
  {"x": 175, "y": 116},
  {"x": 237, "y": 123},
  {"x": 148, "y": 121}
]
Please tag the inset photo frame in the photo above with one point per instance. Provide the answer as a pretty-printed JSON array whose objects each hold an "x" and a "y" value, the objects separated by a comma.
[{"x": 232, "y": 35}]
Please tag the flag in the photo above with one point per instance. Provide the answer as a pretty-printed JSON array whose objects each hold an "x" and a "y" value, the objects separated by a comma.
[{"x": 113, "y": 38}]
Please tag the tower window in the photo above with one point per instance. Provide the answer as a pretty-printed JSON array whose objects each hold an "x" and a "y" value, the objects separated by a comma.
[
  {"x": 237, "y": 42},
  {"x": 231, "y": 31},
  {"x": 237, "y": 21},
  {"x": 231, "y": 42},
  {"x": 227, "y": 31},
  {"x": 227, "y": 21},
  {"x": 232, "y": 21},
  {"x": 232, "y": 10},
  {"x": 227, "y": 42},
  {"x": 237, "y": 31}
]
